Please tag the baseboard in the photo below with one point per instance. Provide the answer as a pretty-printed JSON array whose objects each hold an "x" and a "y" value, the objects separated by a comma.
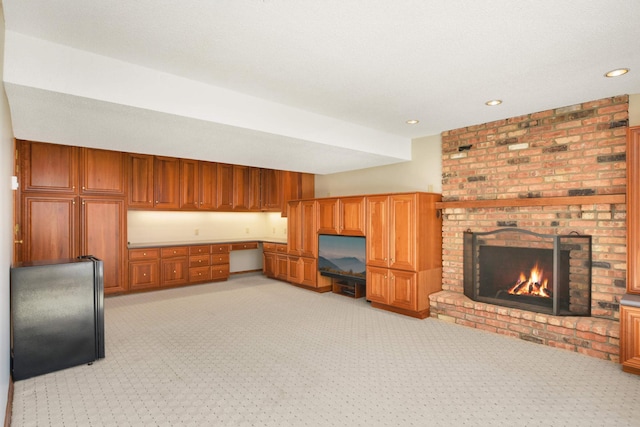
[{"x": 7, "y": 414}]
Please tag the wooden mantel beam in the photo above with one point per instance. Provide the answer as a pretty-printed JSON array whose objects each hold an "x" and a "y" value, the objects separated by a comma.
[{"x": 535, "y": 201}]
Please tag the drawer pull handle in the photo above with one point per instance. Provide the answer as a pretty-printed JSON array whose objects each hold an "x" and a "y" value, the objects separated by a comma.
[
  {"x": 144, "y": 254},
  {"x": 144, "y": 275}
]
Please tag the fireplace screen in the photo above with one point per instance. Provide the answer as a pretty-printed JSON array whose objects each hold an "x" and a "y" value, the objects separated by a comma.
[{"x": 536, "y": 272}]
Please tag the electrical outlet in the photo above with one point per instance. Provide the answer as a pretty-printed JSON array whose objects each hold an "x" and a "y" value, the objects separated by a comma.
[
  {"x": 274, "y": 230},
  {"x": 285, "y": 230},
  {"x": 196, "y": 232},
  {"x": 246, "y": 230}
]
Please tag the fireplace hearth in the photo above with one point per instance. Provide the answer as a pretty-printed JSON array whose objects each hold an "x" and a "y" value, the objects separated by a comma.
[{"x": 518, "y": 268}]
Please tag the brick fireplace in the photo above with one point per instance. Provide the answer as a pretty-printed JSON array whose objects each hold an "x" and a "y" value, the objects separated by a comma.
[{"x": 555, "y": 172}]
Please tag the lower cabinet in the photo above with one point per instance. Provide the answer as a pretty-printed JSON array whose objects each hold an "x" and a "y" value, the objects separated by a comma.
[
  {"x": 630, "y": 337},
  {"x": 174, "y": 263},
  {"x": 219, "y": 262},
  {"x": 404, "y": 292},
  {"x": 144, "y": 268},
  {"x": 199, "y": 263}
]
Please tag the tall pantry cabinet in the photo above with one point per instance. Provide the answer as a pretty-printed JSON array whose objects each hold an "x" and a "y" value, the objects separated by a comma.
[
  {"x": 404, "y": 246},
  {"x": 72, "y": 202},
  {"x": 630, "y": 303}
]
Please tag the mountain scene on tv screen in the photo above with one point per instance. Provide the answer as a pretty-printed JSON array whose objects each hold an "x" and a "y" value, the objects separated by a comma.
[{"x": 349, "y": 266}]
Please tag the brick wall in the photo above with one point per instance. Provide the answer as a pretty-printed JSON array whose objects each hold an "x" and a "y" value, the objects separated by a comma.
[{"x": 569, "y": 151}]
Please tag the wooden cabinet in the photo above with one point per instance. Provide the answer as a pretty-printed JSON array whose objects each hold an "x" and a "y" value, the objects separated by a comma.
[
  {"x": 189, "y": 184},
  {"x": 269, "y": 255},
  {"x": 144, "y": 268},
  {"x": 225, "y": 186},
  {"x": 633, "y": 210},
  {"x": 103, "y": 235},
  {"x": 140, "y": 168},
  {"x": 103, "y": 172},
  {"x": 302, "y": 242},
  {"x": 344, "y": 216},
  {"x": 630, "y": 334},
  {"x": 254, "y": 189},
  {"x": 166, "y": 182},
  {"x": 174, "y": 265},
  {"x": 271, "y": 190},
  {"x": 49, "y": 227},
  {"x": 208, "y": 186},
  {"x": 220, "y": 262},
  {"x": 47, "y": 168},
  {"x": 199, "y": 263},
  {"x": 295, "y": 186},
  {"x": 241, "y": 180},
  {"x": 404, "y": 242},
  {"x": 630, "y": 303}
]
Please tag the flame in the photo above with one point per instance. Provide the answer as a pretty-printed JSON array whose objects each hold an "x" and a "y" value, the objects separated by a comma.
[{"x": 535, "y": 285}]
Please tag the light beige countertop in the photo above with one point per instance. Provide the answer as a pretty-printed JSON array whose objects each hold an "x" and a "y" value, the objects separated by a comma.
[{"x": 145, "y": 245}]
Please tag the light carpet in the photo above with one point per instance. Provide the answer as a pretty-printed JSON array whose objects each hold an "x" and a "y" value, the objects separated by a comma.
[{"x": 258, "y": 352}]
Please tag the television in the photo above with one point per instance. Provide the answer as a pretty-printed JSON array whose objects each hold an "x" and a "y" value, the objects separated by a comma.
[{"x": 342, "y": 257}]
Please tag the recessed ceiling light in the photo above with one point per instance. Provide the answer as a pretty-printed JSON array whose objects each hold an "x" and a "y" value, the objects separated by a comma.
[
  {"x": 494, "y": 102},
  {"x": 617, "y": 72},
  {"x": 413, "y": 122}
]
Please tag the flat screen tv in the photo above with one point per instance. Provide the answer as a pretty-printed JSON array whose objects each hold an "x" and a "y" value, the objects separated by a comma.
[{"x": 342, "y": 257}]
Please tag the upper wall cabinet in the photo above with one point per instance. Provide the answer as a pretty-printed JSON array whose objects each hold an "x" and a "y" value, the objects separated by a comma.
[
  {"x": 345, "y": 215},
  {"x": 633, "y": 210},
  {"x": 140, "y": 167},
  {"x": 103, "y": 172},
  {"x": 271, "y": 190},
  {"x": 166, "y": 180},
  {"x": 296, "y": 185},
  {"x": 225, "y": 186},
  {"x": 48, "y": 168}
]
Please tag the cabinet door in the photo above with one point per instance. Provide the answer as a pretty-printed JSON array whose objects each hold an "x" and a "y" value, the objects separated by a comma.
[
  {"x": 377, "y": 231},
  {"x": 630, "y": 339},
  {"x": 271, "y": 190},
  {"x": 189, "y": 184},
  {"x": 166, "y": 182},
  {"x": 294, "y": 221},
  {"x": 241, "y": 180},
  {"x": 402, "y": 289},
  {"x": 254, "y": 190},
  {"x": 103, "y": 235},
  {"x": 309, "y": 271},
  {"x": 103, "y": 172},
  {"x": 290, "y": 188},
  {"x": 633, "y": 210},
  {"x": 327, "y": 217},
  {"x": 50, "y": 168},
  {"x": 378, "y": 285},
  {"x": 208, "y": 185},
  {"x": 282, "y": 267},
  {"x": 140, "y": 168},
  {"x": 294, "y": 274},
  {"x": 225, "y": 186},
  {"x": 308, "y": 233},
  {"x": 269, "y": 264},
  {"x": 352, "y": 216},
  {"x": 49, "y": 227},
  {"x": 175, "y": 271},
  {"x": 143, "y": 274},
  {"x": 402, "y": 232}
]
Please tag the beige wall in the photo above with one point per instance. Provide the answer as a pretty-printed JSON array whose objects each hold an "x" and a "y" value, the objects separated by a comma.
[
  {"x": 6, "y": 225},
  {"x": 422, "y": 173},
  {"x": 634, "y": 110}
]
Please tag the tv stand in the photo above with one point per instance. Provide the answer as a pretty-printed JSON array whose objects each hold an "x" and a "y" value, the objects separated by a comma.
[{"x": 350, "y": 288}]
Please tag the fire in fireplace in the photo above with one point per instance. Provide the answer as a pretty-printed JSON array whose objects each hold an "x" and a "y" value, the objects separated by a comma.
[{"x": 537, "y": 272}]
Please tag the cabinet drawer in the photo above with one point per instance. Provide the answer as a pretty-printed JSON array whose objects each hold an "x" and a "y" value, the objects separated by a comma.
[
  {"x": 199, "y": 250},
  {"x": 281, "y": 248},
  {"x": 220, "y": 271},
  {"x": 244, "y": 246},
  {"x": 217, "y": 259},
  {"x": 141, "y": 254},
  {"x": 199, "y": 260},
  {"x": 174, "y": 251},
  {"x": 268, "y": 247},
  {"x": 199, "y": 274},
  {"x": 220, "y": 249}
]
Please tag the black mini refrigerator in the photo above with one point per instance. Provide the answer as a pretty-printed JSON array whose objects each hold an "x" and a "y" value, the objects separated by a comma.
[{"x": 57, "y": 315}]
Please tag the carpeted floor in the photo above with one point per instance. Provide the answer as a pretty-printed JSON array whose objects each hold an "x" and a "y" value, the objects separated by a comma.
[{"x": 258, "y": 352}]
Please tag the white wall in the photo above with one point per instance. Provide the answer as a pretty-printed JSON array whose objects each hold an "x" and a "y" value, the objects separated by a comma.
[
  {"x": 422, "y": 173},
  {"x": 6, "y": 225}
]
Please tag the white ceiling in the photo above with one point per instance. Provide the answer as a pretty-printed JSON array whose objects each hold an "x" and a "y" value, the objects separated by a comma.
[{"x": 316, "y": 86}]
